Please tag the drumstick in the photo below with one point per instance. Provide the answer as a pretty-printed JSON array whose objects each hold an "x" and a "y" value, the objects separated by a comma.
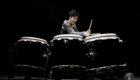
[{"x": 90, "y": 24}]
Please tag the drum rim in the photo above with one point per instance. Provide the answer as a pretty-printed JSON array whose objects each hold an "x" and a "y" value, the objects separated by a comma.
[
  {"x": 101, "y": 35},
  {"x": 34, "y": 38},
  {"x": 42, "y": 42},
  {"x": 68, "y": 35}
]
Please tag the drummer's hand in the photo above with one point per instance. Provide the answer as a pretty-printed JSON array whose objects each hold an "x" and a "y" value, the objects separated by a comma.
[
  {"x": 88, "y": 31},
  {"x": 86, "y": 34}
]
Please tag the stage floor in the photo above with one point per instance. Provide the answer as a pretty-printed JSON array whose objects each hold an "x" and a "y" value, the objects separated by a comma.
[{"x": 5, "y": 77}]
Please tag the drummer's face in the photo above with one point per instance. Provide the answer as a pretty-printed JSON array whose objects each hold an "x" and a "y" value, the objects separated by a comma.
[{"x": 73, "y": 19}]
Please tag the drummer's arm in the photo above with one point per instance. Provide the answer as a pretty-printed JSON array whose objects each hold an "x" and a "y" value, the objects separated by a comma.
[
  {"x": 86, "y": 33},
  {"x": 75, "y": 28},
  {"x": 71, "y": 30}
]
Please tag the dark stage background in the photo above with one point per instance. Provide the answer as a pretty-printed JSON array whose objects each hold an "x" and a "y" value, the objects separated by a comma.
[{"x": 43, "y": 19}]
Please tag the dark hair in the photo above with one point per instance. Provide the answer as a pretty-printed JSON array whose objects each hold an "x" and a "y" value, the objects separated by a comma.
[{"x": 73, "y": 13}]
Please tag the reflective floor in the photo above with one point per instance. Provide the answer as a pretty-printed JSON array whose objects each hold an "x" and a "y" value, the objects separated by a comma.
[{"x": 5, "y": 77}]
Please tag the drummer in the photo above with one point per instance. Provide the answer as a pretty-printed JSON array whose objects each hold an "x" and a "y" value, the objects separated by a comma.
[{"x": 69, "y": 26}]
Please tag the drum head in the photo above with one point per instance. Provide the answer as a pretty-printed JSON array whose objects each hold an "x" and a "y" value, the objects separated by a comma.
[
  {"x": 68, "y": 35},
  {"x": 33, "y": 38},
  {"x": 101, "y": 37}
]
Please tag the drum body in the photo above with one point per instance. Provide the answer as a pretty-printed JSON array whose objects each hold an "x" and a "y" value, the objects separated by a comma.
[
  {"x": 67, "y": 49},
  {"x": 104, "y": 50},
  {"x": 31, "y": 52}
]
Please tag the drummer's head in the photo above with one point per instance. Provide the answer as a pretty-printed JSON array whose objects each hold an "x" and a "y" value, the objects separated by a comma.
[{"x": 73, "y": 16}]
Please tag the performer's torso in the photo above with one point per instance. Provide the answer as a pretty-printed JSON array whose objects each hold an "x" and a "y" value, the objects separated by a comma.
[{"x": 63, "y": 31}]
